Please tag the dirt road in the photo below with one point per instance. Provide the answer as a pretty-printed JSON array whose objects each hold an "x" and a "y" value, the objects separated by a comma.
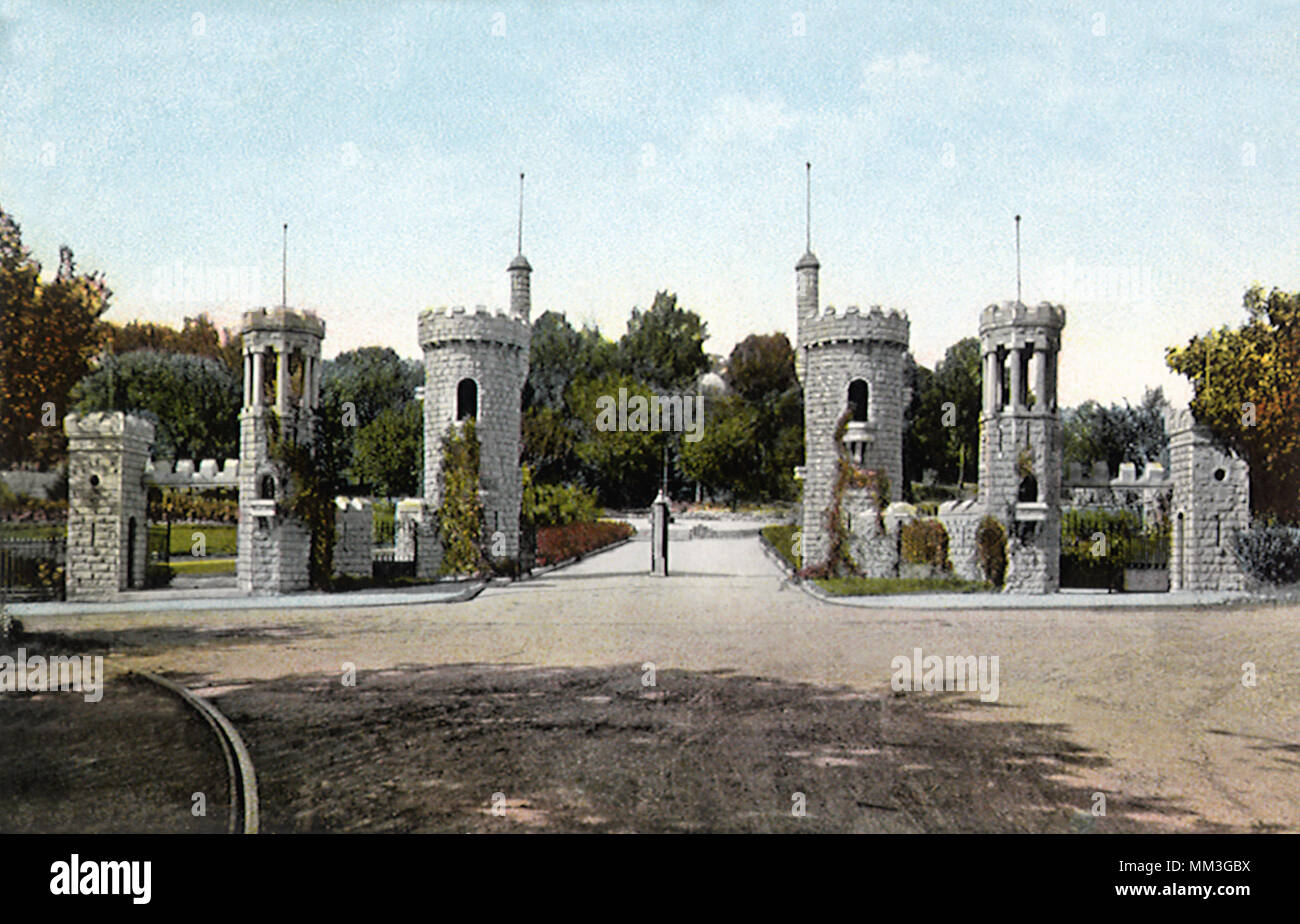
[{"x": 536, "y": 692}]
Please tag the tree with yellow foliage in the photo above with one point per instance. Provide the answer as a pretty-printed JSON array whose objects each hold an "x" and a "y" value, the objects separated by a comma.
[
  {"x": 49, "y": 330},
  {"x": 1247, "y": 391}
]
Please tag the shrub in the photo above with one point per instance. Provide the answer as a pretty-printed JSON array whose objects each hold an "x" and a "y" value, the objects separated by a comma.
[
  {"x": 460, "y": 518},
  {"x": 1269, "y": 552},
  {"x": 1079, "y": 529},
  {"x": 214, "y": 505},
  {"x": 925, "y": 542},
  {"x": 561, "y": 504},
  {"x": 991, "y": 549},
  {"x": 558, "y": 543}
]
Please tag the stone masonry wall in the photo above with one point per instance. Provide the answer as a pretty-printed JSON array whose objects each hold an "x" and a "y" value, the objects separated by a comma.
[
  {"x": 1211, "y": 501},
  {"x": 354, "y": 536},
  {"x": 872, "y": 545},
  {"x": 274, "y": 552},
  {"x": 962, "y": 519},
  {"x": 499, "y": 366},
  {"x": 828, "y": 370},
  {"x": 107, "y": 455}
]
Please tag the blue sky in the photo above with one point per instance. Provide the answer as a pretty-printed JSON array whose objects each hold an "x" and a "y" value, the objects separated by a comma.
[{"x": 1151, "y": 148}]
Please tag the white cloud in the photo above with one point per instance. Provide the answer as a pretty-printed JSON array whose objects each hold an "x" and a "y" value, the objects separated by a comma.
[
  {"x": 910, "y": 65},
  {"x": 739, "y": 118}
]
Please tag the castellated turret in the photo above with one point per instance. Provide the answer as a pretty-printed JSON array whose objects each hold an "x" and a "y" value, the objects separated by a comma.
[
  {"x": 1021, "y": 438},
  {"x": 849, "y": 361},
  {"x": 475, "y": 366},
  {"x": 282, "y": 370}
]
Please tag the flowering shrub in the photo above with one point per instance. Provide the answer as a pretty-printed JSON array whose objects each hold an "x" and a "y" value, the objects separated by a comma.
[{"x": 557, "y": 543}]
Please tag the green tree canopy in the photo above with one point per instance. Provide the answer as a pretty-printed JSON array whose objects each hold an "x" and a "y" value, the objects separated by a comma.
[
  {"x": 1247, "y": 391},
  {"x": 624, "y": 465},
  {"x": 359, "y": 385},
  {"x": 388, "y": 451},
  {"x": 193, "y": 401},
  {"x": 1116, "y": 434},
  {"x": 49, "y": 330},
  {"x": 761, "y": 367},
  {"x": 559, "y": 355},
  {"x": 942, "y": 421},
  {"x": 664, "y": 346},
  {"x": 198, "y": 336},
  {"x": 723, "y": 458}
]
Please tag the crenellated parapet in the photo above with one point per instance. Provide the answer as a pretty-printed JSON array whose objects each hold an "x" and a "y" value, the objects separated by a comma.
[
  {"x": 444, "y": 325},
  {"x": 1179, "y": 420},
  {"x": 113, "y": 425},
  {"x": 184, "y": 474},
  {"x": 1153, "y": 477},
  {"x": 281, "y": 320},
  {"x": 852, "y": 325},
  {"x": 1012, "y": 323}
]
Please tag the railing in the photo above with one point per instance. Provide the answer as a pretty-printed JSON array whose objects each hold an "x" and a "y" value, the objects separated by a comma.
[{"x": 32, "y": 569}]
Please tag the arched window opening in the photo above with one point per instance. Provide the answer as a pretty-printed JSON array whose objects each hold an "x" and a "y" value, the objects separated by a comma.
[
  {"x": 466, "y": 399},
  {"x": 266, "y": 488},
  {"x": 1028, "y": 490},
  {"x": 858, "y": 400}
]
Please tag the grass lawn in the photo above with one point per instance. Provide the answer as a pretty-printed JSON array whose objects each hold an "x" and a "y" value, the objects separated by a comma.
[
  {"x": 196, "y": 566},
  {"x": 33, "y": 530},
  {"x": 871, "y": 587},
  {"x": 782, "y": 537},
  {"x": 219, "y": 538}
]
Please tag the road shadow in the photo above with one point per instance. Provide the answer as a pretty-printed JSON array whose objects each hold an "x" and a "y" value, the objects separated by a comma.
[
  {"x": 152, "y": 639},
  {"x": 492, "y": 748},
  {"x": 131, "y": 763}
]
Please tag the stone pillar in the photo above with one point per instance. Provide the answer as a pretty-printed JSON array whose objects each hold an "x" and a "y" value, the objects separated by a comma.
[
  {"x": 659, "y": 536},
  {"x": 259, "y": 377},
  {"x": 1211, "y": 501},
  {"x": 1017, "y": 380},
  {"x": 108, "y": 526},
  {"x": 282, "y": 382},
  {"x": 1040, "y": 380},
  {"x": 990, "y": 382}
]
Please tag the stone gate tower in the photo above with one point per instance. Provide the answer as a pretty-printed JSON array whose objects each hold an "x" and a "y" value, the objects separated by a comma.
[
  {"x": 107, "y": 523},
  {"x": 1210, "y": 503},
  {"x": 850, "y": 363},
  {"x": 281, "y": 382},
  {"x": 475, "y": 366},
  {"x": 1021, "y": 440}
]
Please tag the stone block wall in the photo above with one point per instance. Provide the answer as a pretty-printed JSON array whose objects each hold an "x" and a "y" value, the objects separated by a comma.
[
  {"x": 829, "y": 368},
  {"x": 354, "y": 536},
  {"x": 1003, "y": 438},
  {"x": 417, "y": 537},
  {"x": 962, "y": 519},
  {"x": 1211, "y": 501},
  {"x": 278, "y": 553},
  {"x": 1034, "y": 556},
  {"x": 493, "y": 351},
  {"x": 274, "y": 548},
  {"x": 873, "y": 545},
  {"x": 108, "y": 527}
]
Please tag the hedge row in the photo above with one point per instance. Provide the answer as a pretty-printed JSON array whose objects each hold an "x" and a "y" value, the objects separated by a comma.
[{"x": 557, "y": 543}]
